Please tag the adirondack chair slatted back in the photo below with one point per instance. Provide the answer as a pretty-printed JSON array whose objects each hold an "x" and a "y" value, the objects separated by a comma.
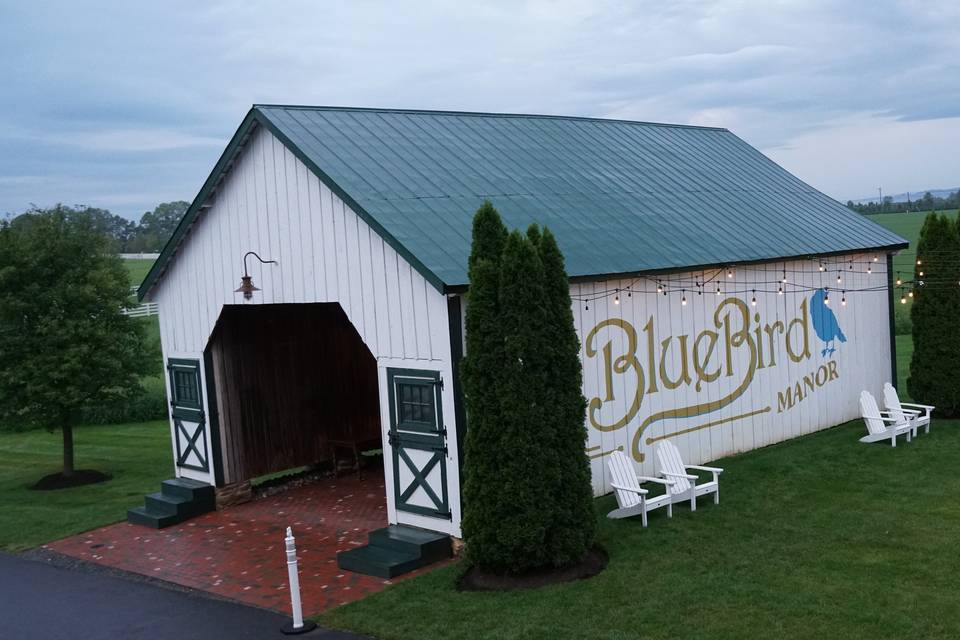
[
  {"x": 892, "y": 402},
  {"x": 623, "y": 474},
  {"x": 868, "y": 407},
  {"x": 670, "y": 461}
]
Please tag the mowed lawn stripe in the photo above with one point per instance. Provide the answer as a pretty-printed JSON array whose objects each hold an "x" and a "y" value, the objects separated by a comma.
[{"x": 138, "y": 456}]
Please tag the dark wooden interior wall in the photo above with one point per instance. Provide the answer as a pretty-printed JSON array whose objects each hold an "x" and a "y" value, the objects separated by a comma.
[{"x": 289, "y": 378}]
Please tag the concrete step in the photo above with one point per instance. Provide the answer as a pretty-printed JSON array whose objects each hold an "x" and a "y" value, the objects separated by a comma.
[
  {"x": 429, "y": 546},
  {"x": 193, "y": 490},
  {"x": 147, "y": 518},
  {"x": 378, "y": 561}
]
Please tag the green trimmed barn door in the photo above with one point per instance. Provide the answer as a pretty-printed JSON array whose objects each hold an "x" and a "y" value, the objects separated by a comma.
[
  {"x": 189, "y": 421},
  {"x": 418, "y": 442}
]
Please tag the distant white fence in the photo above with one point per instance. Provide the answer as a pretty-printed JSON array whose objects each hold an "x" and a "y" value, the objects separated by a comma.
[
  {"x": 139, "y": 256},
  {"x": 142, "y": 311}
]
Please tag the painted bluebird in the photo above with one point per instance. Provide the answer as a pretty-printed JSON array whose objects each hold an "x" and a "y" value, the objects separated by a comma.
[{"x": 824, "y": 322}]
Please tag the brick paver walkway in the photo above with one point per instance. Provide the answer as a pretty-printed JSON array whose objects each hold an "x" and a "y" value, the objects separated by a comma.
[{"x": 238, "y": 553}]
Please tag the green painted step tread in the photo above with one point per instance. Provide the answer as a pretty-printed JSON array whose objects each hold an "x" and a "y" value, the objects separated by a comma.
[
  {"x": 148, "y": 518},
  {"x": 378, "y": 561}
]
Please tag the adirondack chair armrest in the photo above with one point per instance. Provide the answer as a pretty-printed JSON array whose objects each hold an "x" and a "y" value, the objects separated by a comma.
[
  {"x": 714, "y": 470},
  {"x": 928, "y": 407},
  {"x": 688, "y": 476},
  {"x": 662, "y": 481},
  {"x": 880, "y": 417},
  {"x": 620, "y": 487}
]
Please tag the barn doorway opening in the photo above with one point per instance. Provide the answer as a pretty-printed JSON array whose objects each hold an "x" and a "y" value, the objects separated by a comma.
[{"x": 295, "y": 387}]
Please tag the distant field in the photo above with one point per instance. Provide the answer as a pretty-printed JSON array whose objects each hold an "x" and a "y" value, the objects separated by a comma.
[
  {"x": 137, "y": 269},
  {"x": 906, "y": 225}
]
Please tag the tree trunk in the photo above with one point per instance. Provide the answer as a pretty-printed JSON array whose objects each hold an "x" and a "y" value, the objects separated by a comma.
[{"x": 67, "y": 429}]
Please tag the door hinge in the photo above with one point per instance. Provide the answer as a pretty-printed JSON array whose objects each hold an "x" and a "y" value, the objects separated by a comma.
[{"x": 439, "y": 382}]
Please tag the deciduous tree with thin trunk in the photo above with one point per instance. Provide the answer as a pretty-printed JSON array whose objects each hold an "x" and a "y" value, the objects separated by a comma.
[{"x": 64, "y": 343}]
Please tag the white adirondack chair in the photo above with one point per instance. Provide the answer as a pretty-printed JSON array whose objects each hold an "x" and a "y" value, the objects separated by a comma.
[
  {"x": 880, "y": 424},
  {"x": 684, "y": 483},
  {"x": 631, "y": 499},
  {"x": 917, "y": 415}
]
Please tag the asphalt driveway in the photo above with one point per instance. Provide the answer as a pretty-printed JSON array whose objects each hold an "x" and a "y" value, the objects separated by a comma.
[{"x": 41, "y": 601}]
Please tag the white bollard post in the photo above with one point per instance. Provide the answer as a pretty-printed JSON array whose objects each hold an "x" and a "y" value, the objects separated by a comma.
[{"x": 293, "y": 575}]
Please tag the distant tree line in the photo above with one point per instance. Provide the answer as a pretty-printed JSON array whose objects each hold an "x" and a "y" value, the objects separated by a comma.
[
  {"x": 149, "y": 235},
  {"x": 927, "y": 202}
]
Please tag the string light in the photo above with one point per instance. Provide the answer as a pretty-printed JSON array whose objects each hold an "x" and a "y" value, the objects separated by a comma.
[
  {"x": 826, "y": 298},
  {"x": 910, "y": 293},
  {"x": 839, "y": 279},
  {"x": 921, "y": 274},
  {"x": 729, "y": 273},
  {"x": 683, "y": 301},
  {"x": 899, "y": 281},
  {"x": 869, "y": 269},
  {"x": 659, "y": 287},
  {"x": 843, "y": 300},
  {"x": 754, "y": 300},
  {"x": 822, "y": 268},
  {"x": 718, "y": 289},
  {"x": 780, "y": 290},
  {"x": 903, "y": 299},
  {"x": 875, "y": 258},
  {"x": 616, "y": 299},
  {"x": 918, "y": 262}
]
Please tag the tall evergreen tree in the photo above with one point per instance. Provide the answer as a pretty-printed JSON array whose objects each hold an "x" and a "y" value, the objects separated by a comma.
[
  {"x": 479, "y": 370},
  {"x": 934, "y": 377},
  {"x": 574, "y": 525},
  {"x": 528, "y": 465}
]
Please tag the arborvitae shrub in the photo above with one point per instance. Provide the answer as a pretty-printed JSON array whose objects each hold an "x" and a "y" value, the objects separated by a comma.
[
  {"x": 934, "y": 375},
  {"x": 527, "y": 493}
]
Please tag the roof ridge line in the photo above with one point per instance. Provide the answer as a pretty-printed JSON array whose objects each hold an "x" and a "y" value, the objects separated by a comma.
[{"x": 484, "y": 114}]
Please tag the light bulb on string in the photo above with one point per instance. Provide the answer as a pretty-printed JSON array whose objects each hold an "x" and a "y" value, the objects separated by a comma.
[
  {"x": 822, "y": 268},
  {"x": 875, "y": 258},
  {"x": 718, "y": 289},
  {"x": 616, "y": 299},
  {"x": 586, "y": 307},
  {"x": 780, "y": 290},
  {"x": 683, "y": 300},
  {"x": 903, "y": 299},
  {"x": 843, "y": 299},
  {"x": 899, "y": 281},
  {"x": 826, "y": 298},
  {"x": 753, "y": 301},
  {"x": 784, "y": 276},
  {"x": 839, "y": 279},
  {"x": 729, "y": 273},
  {"x": 910, "y": 293},
  {"x": 921, "y": 274},
  {"x": 659, "y": 287},
  {"x": 869, "y": 269},
  {"x": 919, "y": 262}
]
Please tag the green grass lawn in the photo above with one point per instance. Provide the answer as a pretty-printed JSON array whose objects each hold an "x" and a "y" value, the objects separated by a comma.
[
  {"x": 818, "y": 537},
  {"x": 137, "y": 455},
  {"x": 137, "y": 269},
  {"x": 908, "y": 226}
]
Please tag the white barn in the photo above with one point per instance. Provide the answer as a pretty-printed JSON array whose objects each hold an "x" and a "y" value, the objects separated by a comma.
[{"x": 720, "y": 301}]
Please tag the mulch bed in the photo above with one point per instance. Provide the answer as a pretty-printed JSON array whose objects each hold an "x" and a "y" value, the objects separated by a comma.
[
  {"x": 79, "y": 478},
  {"x": 593, "y": 563}
]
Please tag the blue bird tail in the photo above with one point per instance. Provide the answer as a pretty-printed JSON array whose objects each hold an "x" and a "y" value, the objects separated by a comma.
[{"x": 840, "y": 336}]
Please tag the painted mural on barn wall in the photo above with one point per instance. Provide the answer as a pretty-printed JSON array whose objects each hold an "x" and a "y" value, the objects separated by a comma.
[{"x": 739, "y": 365}]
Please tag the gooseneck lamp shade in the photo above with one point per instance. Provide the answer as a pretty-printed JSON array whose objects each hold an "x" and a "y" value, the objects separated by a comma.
[
  {"x": 246, "y": 282},
  {"x": 247, "y": 287}
]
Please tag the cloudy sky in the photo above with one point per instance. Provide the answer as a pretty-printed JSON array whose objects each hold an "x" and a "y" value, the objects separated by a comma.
[{"x": 126, "y": 104}]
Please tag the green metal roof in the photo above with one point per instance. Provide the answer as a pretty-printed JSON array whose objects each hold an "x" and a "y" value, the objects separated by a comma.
[{"x": 621, "y": 197}]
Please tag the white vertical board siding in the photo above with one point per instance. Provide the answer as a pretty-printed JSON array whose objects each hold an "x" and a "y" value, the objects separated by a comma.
[
  {"x": 273, "y": 204},
  {"x": 654, "y": 368}
]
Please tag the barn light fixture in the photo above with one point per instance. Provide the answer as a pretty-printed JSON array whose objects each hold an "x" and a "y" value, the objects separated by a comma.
[{"x": 246, "y": 282}]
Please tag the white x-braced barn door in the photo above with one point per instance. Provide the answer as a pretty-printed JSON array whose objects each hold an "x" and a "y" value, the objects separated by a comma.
[
  {"x": 418, "y": 442},
  {"x": 189, "y": 421}
]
